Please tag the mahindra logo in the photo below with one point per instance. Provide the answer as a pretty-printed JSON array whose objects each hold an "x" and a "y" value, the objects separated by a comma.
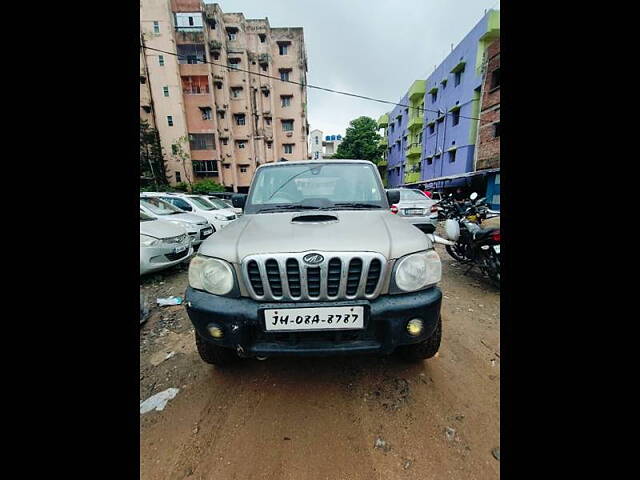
[{"x": 313, "y": 258}]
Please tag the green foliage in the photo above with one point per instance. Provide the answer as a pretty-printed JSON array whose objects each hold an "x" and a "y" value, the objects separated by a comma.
[
  {"x": 181, "y": 187},
  {"x": 361, "y": 141},
  {"x": 205, "y": 186},
  {"x": 152, "y": 162}
]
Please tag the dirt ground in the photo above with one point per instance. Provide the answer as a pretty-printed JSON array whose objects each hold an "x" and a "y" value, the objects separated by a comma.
[{"x": 326, "y": 418}]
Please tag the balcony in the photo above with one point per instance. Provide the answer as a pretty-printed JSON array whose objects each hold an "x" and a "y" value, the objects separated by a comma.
[
  {"x": 383, "y": 142},
  {"x": 415, "y": 123},
  {"x": 411, "y": 177},
  {"x": 417, "y": 90},
  {"x": 188, "y": 37},
  {"x": 383, "y": 163},
  {"x": 414, "y": 152},
  {"x": 383, "y": 121}
]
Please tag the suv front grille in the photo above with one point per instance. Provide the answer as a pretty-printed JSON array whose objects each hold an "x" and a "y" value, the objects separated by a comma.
[{"x": 340, "y": 276}]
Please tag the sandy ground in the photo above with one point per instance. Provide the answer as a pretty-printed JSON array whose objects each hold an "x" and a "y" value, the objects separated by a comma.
[{"x": 326, "y": 418}]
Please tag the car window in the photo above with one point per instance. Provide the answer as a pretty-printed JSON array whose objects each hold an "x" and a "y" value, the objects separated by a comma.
[
  {"x": 180, "y": 203},
  {"x": 202, "y": 203},
  {"x": 217, "y": 202},
  {"x": 412, "y": 195},
  {"x": 159, "y": 206},
  {"x": 144, "y": 217}
]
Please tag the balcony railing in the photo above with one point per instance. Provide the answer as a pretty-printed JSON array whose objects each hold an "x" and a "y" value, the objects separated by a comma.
[{"x": 414, "y": 150}]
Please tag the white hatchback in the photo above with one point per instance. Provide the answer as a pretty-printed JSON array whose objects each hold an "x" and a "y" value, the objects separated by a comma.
[
  {"x": 162, "y": 244},
  {"x": 199, "y": 205}
]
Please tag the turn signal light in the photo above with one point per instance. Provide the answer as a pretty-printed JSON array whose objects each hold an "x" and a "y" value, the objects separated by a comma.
[{"x": 394, "y": 209}]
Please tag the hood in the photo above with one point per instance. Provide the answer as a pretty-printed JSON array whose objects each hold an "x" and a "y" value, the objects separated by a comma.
[
  {"x": 184, "y": 217},
  {"x": 361, "y": 230},
  {"x": 161, "y": 229}
]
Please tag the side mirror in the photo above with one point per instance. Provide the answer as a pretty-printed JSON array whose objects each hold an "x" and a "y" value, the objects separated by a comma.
[
  {"x": 473, "y": 196},
  {"x": 238, "y": 200},
  {"x": 393, "y": 196}
]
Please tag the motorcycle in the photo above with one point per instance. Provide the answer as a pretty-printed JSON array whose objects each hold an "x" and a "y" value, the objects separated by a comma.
[{"x": 472, "y": 244}]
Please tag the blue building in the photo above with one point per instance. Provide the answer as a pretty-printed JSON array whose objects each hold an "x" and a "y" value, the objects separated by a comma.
[{"x": 432, "y": 136}]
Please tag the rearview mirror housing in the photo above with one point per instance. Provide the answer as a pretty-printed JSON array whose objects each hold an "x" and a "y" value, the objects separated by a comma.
[
  {"x": 238, "y": 200},
  {"x": 393, "y": 197}
]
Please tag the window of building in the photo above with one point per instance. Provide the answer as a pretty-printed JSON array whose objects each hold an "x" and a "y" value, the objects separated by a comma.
[
  {"x": 265, "y": 92},
  {"x": 202, "y": 141},
  {"x": 161, "y": 60},
  {"x": 286, "y": 100},
  {"x": 457, "y": 77},
  {"x": 170, "y": 121},
  {"x": 420, "y": 138},
  {"x": 234, "y": 62},
  {"x": 206, "y": 113},
  {"x": 156, "y": 27},
  {"x": 452, "y": 156},
  {"x": 225, "y": 141},
  {"x": 496, "y": 129},
  {"x": 241, "y": 143},
  {"x": 236, "y": 92},
  {"x": 178, "y": 179},
  {"x": 218, "y": 85},
  {"x": 216, "y": 55},
  {"x": 429, "y": 160},
  {"x": 165, "y": 91},
  {"x": 284, "y": 74},
  {"x": 316, "y": 138},
  {"x": 267, "y": 120},
  {"x": 227, "y": 167},
  {"x": 263, "y": 37},
  {"x": 263, "y": 66},
  {"x": 243, "y": 169},
  {"x": 495, "y": 78},
  {"x": 195, "y": 85},
  {"x": 269, "y": 145},
  {"x": 239, "y": 118},
  {"x": 191, "y": 53},
  {"x": 455, "y": 117},
  {"x": 205, "y": 167},
  {"x": 432, "y": 128},
  {"x": 232, "y": 33},
  {"x": 434, "y": 96},
  {"x": 221, "y": 114},
  {"x": 283, "y": 48},
  {"x": 288, "y": 147},
  {"x": 287, "y": 125},
  {"x": 174, "y": 149}
]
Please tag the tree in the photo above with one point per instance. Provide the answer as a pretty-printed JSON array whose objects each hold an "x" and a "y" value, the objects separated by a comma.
[
  {"x": 180, "y": 156},
  {"x": 206, "y": 186},
  {"x": 152, "y": 162},
  {"x": 361, "y": 141}
]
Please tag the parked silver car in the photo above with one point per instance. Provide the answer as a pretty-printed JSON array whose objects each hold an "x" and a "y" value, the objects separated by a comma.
[
  {"x": 197, "y": 227},
  {"x": 416, "y": 208},
  {"x": 162, "y": 244}
]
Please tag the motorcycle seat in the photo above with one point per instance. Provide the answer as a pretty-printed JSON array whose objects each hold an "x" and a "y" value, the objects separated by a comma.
[{"x": 483, "y": 232}]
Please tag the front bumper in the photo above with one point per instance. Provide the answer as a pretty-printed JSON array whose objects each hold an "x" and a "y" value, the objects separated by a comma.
[
  {"x": 153, "y": 259},
  {"x": 242, "y": 320}
]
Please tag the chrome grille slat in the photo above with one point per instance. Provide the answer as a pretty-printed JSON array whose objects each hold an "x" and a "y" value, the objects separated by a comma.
[{"x": 293, "y": 276}]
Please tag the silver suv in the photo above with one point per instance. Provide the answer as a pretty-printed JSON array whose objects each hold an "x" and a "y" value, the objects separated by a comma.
[{"x": 317, "y": 265}]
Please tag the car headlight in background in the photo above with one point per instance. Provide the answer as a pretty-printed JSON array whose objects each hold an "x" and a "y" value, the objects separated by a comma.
[
  {"x": 147, "y": 241},
  {"x": 418, "y": 271},
  {"x": 221, "y": 218},
  {"x": 210, "y": 274}
]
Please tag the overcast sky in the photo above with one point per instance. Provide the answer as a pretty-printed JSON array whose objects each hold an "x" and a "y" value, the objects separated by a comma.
[{"x": 370, "y": 47}]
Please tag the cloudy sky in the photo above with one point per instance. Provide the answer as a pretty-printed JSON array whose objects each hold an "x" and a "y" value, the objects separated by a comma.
[{"x": 370, "y": 47}]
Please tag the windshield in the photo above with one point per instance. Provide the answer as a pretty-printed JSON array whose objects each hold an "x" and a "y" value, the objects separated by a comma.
[
  {"x": 216, "y": 202},
  {"x": 159, "y": 206},
  {"x": 202, "y": 203},
  {"x": 320, "y": 185},
  {"x": 412, "y": 195},
  {"x": 145, "y": 217}
]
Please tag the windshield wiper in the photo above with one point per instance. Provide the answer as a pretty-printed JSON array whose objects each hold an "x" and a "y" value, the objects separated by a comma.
[
  {"x": 356, "y": 205},
  {"x": 288, "y": 207}
]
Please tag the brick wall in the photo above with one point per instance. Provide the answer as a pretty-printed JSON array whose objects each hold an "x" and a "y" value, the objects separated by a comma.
[{"x": 488, "y": 143}]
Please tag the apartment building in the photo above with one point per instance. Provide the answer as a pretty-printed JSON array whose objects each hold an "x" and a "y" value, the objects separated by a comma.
[
  {"x": 319, "y": 148},
  {"x": 216, "y": 115},
  {"x": 431, "y": 138}
]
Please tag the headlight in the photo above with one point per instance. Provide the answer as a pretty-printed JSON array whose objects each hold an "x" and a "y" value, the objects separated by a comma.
[
  {"x": 418, "y": 271},
  {"x": 220, "y": 218},
  {"x": 147, "y": 241},
  {"x": 210, "y": 274}
]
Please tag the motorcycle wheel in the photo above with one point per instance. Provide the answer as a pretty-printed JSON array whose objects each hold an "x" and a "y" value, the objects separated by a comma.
[
  {"x": 456, "y": 252},
  {"x": 492, "y": 268}
]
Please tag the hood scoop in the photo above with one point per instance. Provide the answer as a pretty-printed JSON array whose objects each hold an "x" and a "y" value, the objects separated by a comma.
[{"x": 314, "y": 218}]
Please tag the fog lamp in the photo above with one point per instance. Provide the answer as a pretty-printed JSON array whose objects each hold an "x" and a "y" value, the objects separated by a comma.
[
  {"x": 215, "y": 331},
  {"x": 415, "y": 327}
]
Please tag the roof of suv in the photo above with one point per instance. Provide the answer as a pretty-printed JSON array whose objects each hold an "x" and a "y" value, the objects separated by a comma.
[{"x": 307, "y": 162}]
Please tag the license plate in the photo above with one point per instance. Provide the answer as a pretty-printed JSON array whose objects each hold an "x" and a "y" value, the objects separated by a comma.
[
  {"x": 414, "y": 211},
  {"x": 325, "y": 318},
  {"x": 496, "y": 248},
  {"x": 180, "y": 248},
  {"x": 207, "y": 231}
]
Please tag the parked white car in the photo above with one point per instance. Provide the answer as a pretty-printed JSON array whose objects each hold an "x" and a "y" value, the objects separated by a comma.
[
  {"x": 197, "y": 227},
  {"x": 199, "y": 205},
  {"x": 162, "y": 244},
  {"x": 224, "y": 204},
  {"x": 415, "y": 207}
]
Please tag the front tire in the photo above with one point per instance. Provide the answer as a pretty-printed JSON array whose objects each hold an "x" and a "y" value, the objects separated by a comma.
[
  {"x": 425, "y": 349},
  {"x": 213, "y": 354}
]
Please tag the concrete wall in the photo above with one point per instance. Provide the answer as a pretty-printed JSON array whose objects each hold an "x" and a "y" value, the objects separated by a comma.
[{"x": 488, "y": 155}]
